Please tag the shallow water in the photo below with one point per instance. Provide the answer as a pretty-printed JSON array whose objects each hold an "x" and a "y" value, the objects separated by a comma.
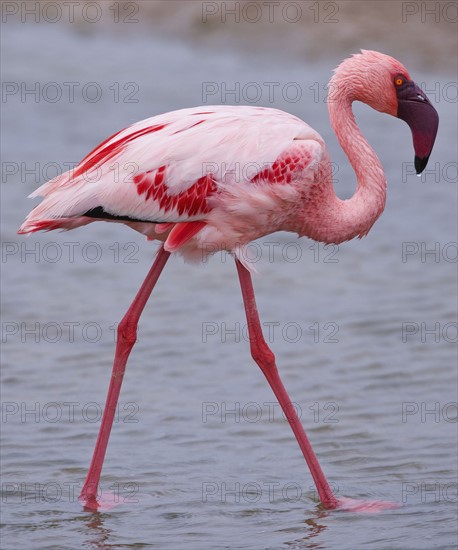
[{"x": 200, "y": 456}]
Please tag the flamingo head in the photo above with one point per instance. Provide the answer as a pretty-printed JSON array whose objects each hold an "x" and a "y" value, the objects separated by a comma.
[{"x": 385, "y": 84}]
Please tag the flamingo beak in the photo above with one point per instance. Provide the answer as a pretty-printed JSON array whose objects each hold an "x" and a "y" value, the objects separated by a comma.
[{"x": 416, "y": 109}]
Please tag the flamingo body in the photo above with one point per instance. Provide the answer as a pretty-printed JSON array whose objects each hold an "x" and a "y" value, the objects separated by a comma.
[{"x": 219, "y": 176}]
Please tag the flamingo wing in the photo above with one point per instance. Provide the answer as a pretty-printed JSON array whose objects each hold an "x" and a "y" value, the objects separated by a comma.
[{"x": 164, "y": 169}]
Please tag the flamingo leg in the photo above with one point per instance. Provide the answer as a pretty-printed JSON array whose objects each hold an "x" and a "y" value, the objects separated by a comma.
[
  {"x": 265, "y": 359},
  {"x": 126, "y": 338}
]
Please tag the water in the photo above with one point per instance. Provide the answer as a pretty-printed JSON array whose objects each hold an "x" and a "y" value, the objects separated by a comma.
[{"x": 200, "y": 456}]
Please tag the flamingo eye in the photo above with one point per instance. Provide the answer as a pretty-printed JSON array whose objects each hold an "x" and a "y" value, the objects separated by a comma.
[{"x": 399, "y": 80}]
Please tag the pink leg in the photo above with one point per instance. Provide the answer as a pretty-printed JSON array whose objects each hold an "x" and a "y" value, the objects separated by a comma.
[
  {"x": 127, "y": 336},
  {"x": 266, "y": 360}
]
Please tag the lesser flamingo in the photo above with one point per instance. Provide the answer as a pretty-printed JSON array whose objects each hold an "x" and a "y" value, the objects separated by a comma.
[{"x": 190, "y": 191}]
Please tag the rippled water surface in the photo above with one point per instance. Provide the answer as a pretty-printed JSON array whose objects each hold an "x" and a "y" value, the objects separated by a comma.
[{"x": 200, "y": 456}]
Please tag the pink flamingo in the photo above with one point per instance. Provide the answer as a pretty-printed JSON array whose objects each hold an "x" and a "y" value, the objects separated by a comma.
[{"x": 176, "y": 177}]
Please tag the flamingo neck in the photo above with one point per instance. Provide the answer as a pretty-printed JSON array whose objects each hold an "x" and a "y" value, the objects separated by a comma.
[{"x": 346, "y": 219}]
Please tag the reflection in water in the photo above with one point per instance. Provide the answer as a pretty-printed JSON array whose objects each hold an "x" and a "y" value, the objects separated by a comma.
[
  {"x": 314, "y": 530},
  {"x": 97, "y": 535}
]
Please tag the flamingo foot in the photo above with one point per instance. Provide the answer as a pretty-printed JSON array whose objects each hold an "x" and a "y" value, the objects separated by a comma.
[
  {"x": 368, "y": 506},
  {"x": 100, "y": 504}
]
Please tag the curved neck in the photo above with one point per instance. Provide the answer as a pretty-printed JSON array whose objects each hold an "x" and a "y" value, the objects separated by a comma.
[{"x": 346, "y": 219}]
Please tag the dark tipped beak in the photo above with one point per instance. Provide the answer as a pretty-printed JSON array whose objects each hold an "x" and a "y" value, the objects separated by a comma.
[{"x": 416, "y": 109}]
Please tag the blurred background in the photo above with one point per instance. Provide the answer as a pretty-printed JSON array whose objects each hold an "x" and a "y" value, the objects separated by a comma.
[
  {"x": 365, "y": 333},
  {"x": 311, "y": 31},
  {"x": 425, "y": 32}
]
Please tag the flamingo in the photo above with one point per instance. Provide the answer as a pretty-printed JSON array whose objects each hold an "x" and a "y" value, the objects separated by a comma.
[{"x": 186, "y": 193}]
